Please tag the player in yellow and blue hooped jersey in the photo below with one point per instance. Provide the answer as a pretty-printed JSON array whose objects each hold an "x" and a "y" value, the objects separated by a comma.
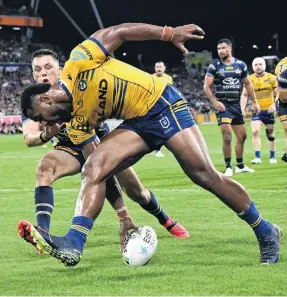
[
  {"x": 264, "y": 84},
  {"x": 94, "y": 87}
]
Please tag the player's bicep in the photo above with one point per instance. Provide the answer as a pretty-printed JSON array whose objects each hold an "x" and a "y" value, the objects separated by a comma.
[
  {"x": 246, "y": 81},
  {"x": 109, "y": 38},
  {"x": 244, "y": 92},
  {"x": 208, "y": 81}
]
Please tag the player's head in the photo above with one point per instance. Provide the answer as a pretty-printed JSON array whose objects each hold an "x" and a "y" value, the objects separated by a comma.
[
  {"x": 159, "y": 68},
  {"x": 224, "y": 48},
  {"x": 45, "y": 65},
  {"x": 47, "y": 104},
  {"x": 259, "y": 65}
]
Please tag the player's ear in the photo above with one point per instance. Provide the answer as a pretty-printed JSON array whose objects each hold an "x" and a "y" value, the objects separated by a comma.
[{"x": 44, "y": 98}]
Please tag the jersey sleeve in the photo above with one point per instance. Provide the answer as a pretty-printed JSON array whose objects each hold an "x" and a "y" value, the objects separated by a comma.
[
  {"x": 89, "y": 54},
  {"x": 211, "y": 70},
  {"x": 24, "y": 119},
  {"x": 282, "y": 80},
  {"x": 244, "y": 72}
]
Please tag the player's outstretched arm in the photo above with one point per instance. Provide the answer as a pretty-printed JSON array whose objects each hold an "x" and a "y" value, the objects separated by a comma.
[{"x": 112, "y": 37}]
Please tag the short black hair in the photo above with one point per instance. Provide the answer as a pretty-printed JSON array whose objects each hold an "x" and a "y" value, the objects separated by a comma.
[
  {"x": 45, "y": 52},
  {"x": 29, "y": 94},
  {"x": 225, "y": 40}
]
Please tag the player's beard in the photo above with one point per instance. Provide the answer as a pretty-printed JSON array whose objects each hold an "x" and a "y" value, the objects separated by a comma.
[{"x": 64, "y": 112}]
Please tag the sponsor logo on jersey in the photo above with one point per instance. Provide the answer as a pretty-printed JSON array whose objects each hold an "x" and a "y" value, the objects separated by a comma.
[
  {"x": 86, "y": 51},
  {"x": 83, "y": 84}
]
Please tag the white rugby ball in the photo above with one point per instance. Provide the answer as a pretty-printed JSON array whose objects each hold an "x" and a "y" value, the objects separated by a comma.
[{"x": 140, "y": 246}]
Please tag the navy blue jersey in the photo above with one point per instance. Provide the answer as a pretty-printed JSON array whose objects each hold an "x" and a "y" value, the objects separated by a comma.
[
  {"x": 282, "y": 79},
  {"x": 23, "y": 119},
  {"x": 228, "y": 79}
]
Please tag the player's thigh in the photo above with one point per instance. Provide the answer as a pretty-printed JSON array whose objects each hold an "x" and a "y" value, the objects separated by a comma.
[
  {"x": 190, "y": 150},
  {"x": 284, "y": 125},
  {"x": 58, "y": 163},
  {"x": 256, "y": 126},
  {"x": 131, "y": 184},
  {"x": 118, "y": 151}
]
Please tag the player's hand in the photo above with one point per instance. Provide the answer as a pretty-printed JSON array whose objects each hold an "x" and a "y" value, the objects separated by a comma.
[
  {"x": 256, "y": 107},
  {"x": 219, "y": 106},
  {"x": 272, "y": 108},
  {"x": 51, "y": 131},
  {"x": 243, "y": 113},
  {"x": 184, "y": 33},
  {"x": 126, "y": 224}
]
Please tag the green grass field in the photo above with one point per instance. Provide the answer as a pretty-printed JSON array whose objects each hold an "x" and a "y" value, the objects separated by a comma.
[{"x": 221, "y": 257}]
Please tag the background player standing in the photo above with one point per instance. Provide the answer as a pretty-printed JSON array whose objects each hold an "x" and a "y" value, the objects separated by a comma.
[
  {"x": 228, "y": 74},
  {"x": 264, "y": 84},
  {"x": 160, "y": 69}
]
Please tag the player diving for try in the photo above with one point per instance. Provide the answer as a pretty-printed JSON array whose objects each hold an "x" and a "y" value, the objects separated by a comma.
[
  {"x": 66, "y": 159},
  {"x": 154, "y": 113}
]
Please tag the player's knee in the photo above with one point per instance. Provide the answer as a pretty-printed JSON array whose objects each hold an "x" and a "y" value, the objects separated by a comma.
[
  {"x": 241, "y": 138},
  {"x": 92, "y": 173},
  {"x": 45, "y": 172},
  {"x": 270, "y": 135},
  {"x": 256, "y": 133},
  {"x": 205, "y": 176},
  {"x": 227, "y": 137}
]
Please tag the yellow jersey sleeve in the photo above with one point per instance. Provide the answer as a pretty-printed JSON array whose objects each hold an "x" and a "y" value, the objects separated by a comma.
[
  {"x": 89, "y": 54},
  {"x": 170, "y": 80},
  {"x": 82, "y": 138}
]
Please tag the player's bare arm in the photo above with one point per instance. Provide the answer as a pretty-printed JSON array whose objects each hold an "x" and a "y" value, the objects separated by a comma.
[
  {"x": 112, "y": 37},
  {"x": 251, "y": 93},
  {"x": 272, "y": 107},
  {"x": 33, "y": 136},
  {"x": 243, "y": 101},
  {"x": 208, "y": 90}
]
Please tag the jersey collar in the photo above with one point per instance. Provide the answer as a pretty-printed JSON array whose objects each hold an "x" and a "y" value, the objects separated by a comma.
[{"x": 62, "y": 84}]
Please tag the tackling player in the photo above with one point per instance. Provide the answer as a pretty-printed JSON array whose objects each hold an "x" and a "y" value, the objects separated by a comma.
[
  {"x": 160, "y": 69},
  {"x": 154, "y": 114},
  {"x": 66, "y": 159},
  {"x": 282, "y": 107},
  {"x": 264, "y": 84}
]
